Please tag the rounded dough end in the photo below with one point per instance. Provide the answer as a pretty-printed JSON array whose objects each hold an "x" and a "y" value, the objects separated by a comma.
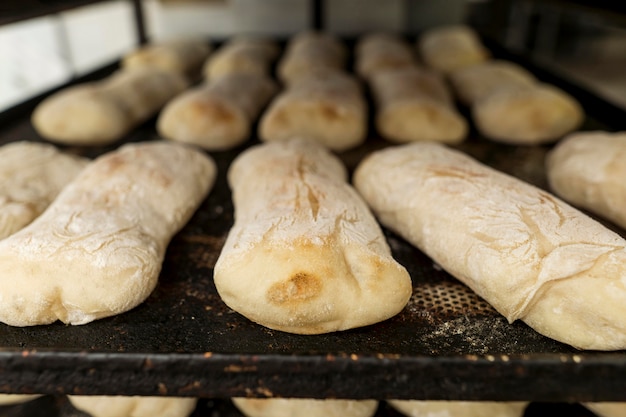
[
  {"x": 527, "y": 116},
  {"x": 421, "y": 120},
  {"x": 304, "y": 407}
]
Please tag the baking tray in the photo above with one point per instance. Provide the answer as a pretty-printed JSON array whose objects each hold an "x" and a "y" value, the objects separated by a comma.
[{"x": 446, "y": 344}]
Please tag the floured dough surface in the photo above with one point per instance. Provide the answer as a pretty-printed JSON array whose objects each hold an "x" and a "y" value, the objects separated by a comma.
[
  {"x": 607, "y": 409},
  {"x": 133, "y": 406},
  {"x": 32, "y": 174},
  {"x": 588, "y": 169},
  {"x": 412, "y": 408},
  {"x": 304, "y": 407},
  {"x": 98, "y": 248},
  {"x": 527, "y": 253},
  {"x": 305, "y": 255}
]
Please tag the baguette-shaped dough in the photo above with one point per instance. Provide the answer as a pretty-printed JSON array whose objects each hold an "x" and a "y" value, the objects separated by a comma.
[
  {"x": 218, "y": 115},
  {"x": 309, "y": 52},
  {"x": 327, "y": 107},
  {"x": 102, "y": 112},
  {"x": 304, "y": 407},
  {"x": 133, "y": 406},
  {"x": 183, "y": 56},
  {"x": 98, "y": 248},
  {"x": 414, "y": 105},
  {"x": 588, "y": 169},
  {"x": 413, "y": 408},
  {"x": 474, "y": 83},
  {"x": 242, "y": 55},
  {"x": 508, "y": 105},
  {"x": 32, "y": 174},
  {"x": 305, "y": 254},
  {"x": 527, "y": 253},
  {"x": 448, "y": 48},
  {"x": 382, "y": 51}
]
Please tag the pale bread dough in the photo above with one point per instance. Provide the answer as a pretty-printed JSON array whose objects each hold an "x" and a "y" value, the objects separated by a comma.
[
  {"x": 32, "y": 174},
  {"x": 450, "y": 47},
  {"x": 607, "y": 409},
  {"x": 133, "y": 406},
  {"x": 588, "y": 169},
  {"x": 304, "y": 407},
  {"x": 242, "y": 55},
  {"x": 377, "y": 52},
  {"x": 413, "y": 408},
  {"x": 98, "y": 248},
  {"x": 527, "y": 253},
  {"x": 305, "y": 255}
]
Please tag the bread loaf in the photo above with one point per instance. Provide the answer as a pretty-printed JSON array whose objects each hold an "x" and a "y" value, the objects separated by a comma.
[
  {"x": 218, "y": 115},
  {"x": 327, "y": 107},
  {"x": 32, "y": 174},
  {"x": 413, "y": 105},
  {"x": 304, "y": 407},
  {"x": 588, "y": 170},
  {"x": 607, "y": 409},
  {"x": 182, "y": 56},
  {"x": 527, "y": 253},
  {"x": 413, "y": 408},
  {"x": 509, "y": 105},
  {"x": 382, "y": 51},
  {"x": 450, "y": 47},
  {"x": 98, "y": 248},
  {"x": 11, "y": 399},
  {"x": 133, "y": 406},
  {"x": 311, "y": 51},
  {"x": 242, "y": 55},
  {"x": 102, "y": 112},
  {"x": 305, "y": 255}
]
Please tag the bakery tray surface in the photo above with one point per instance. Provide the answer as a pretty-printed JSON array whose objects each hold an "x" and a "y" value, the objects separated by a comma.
[{"x": 183, "y": 341}]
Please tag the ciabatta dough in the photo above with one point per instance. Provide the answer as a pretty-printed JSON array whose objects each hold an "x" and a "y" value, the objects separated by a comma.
[
  {"x": 459, "y": 408},
  {"x": 413, "y": 104},
  {"x": 98, "y": 248},
  {"x": 304, "y": 407},
  {"x": 311, "y": 51},
  {"x": 607, "y": 409},
  {"x": 382, "y": 51},
  {"x": 509, "y": 105},
  {"x": 218, "y": 115},
  {"x": 448, "y": 48},
  {"x": 133, "y": 406},
  {"x": 588, "y": 169},
  {"x": 527, "y": 253},
  {"x": 325, "y": 107},
  {"x": 32, "y": 174},
  {"x": 242, "y": 55},
  {"x": 183, "y": 56},
  {"x": 102, "y": 112},
  {"x": 305, "y": 255},
  {"x": 477, "y": 82}
]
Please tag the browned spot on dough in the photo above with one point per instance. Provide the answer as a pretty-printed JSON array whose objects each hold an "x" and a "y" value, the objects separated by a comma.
[
  {"x": 300, "y": 287},
  {"x": 210, "y": 109},
  {"x": 329, "y": 112},
  {"x": 114, "y": 162}
]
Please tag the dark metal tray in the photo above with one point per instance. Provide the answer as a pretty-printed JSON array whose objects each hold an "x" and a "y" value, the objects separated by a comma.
[{"x": 183, "y": 341}]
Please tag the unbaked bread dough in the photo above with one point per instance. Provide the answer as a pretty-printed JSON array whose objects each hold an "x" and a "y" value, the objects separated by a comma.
[
  {"x": 98, "y": 248},
  {"x": 304, "y": 407},
  {"x": 413, "y": 408},
  {"x": 305, "y": 254},
  {"x": 133, "y": 406}
]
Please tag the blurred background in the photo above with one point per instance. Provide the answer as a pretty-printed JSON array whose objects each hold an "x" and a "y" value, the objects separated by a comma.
[{"x": 45, "y": 43}]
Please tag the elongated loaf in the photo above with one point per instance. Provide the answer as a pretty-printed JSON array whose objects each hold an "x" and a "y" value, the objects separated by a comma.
[
  {"x": 304, "y": 407},
  {"x": 382, "y": 51},
  {"x": 588, "y": 169},
  {"x": 509, "y": 105},
  {"x": 98, "y": 248},
  {"x": 607, "y": 409},
  {"x": 413, "y": 104},
  {"x": 311, "y": 51},
  {"x": 413, "y": 408},
  {"x": 32, "y": 175},
  {"x": 182, "y": 56},
  {"x": 450, "y": 47},
  {"x": 328, "y": 108},
  {"x": 527, "y": 253},
  {"x": 218, "y": 115},
  {"x": 305, "y": 255},
  {"x": 242, "y": 55},
  {"x": 102, "y": 112},
  {"x": 133, "y": 406}
]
